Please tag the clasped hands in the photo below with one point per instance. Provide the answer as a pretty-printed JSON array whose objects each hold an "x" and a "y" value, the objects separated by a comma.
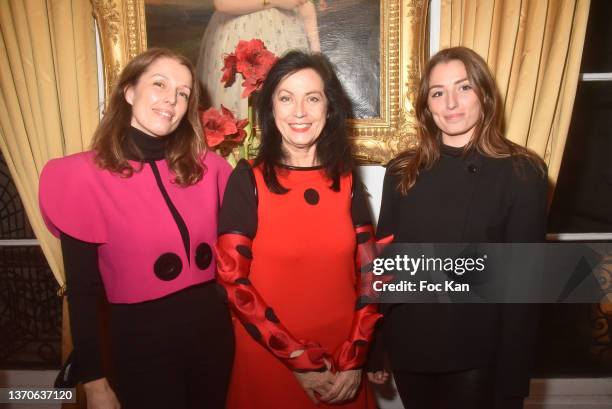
[{"x": 328, "y": 386}]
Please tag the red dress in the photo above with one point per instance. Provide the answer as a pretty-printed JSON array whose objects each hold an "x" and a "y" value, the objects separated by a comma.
[{"x": 291, "y": 281}]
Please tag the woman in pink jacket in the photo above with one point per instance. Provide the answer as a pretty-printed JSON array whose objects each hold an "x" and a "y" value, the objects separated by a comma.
[{"x": 137, "y": 217}]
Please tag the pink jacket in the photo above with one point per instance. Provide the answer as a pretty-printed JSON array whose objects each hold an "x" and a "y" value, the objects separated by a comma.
[{"x": 141, "y": 255}]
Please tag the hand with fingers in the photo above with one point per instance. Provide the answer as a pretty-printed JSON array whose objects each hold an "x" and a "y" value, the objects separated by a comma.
[
  {"x": 100, "y": 395},
  {"x": 378, "y": 377},
  {"x": 316, "y": 383},
  {"x": 345, "y": 386}
]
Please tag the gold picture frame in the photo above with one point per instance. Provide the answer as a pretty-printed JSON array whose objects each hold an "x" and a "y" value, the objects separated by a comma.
[{"x": 403, "y": 50}]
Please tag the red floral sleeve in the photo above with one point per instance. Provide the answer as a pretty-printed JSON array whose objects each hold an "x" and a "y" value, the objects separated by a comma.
[
  {"x": 260, "y": 321},
  {"x": 353, "y": 352}
]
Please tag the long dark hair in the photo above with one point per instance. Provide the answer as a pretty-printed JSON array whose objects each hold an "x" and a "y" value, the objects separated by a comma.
[
  {"x": 184, "y": 149},
  {"x": 333, "y": 148},
  {"x": 488, "y": 138}
]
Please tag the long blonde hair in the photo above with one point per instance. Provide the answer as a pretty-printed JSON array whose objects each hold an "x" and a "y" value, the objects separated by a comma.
[{"x": 488, "y": 138}]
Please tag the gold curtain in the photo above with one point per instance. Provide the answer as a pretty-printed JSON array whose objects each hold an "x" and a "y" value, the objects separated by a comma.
[
  {"x": 533, "y": 48},
  {"x": 49, "y": 86}
]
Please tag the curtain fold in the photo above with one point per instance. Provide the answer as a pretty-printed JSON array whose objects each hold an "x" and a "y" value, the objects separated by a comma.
[
  {"x": 533, "y": 48},
  {"x": 49, "y": 86}
]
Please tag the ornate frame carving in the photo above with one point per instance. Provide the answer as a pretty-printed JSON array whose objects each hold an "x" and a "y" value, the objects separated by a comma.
[{"x": 403, "y": 45}]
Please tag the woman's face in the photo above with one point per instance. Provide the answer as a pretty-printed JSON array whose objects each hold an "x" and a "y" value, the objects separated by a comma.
[
  {"x": 160, "y": 98},
  {"x": 300, "y": 108},
  {"x": 454, "y": 105}
]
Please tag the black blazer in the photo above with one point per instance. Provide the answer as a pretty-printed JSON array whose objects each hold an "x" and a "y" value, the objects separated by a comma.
[{"x": 464, "y": 198}]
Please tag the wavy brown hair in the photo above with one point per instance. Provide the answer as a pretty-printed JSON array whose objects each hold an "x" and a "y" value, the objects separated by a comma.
[
  {"x": 185, "y": 148},
  {"x": 488, "y": 138}
]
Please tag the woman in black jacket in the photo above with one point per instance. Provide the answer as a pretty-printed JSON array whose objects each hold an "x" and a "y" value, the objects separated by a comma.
[{"x": 463, "y": 183}]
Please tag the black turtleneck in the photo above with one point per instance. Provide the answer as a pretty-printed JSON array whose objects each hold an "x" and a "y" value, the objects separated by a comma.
[
  {"x": 455, "y": 151},
  {"x": 83, "y": 277},
  {"x": 150, "y": 148}
]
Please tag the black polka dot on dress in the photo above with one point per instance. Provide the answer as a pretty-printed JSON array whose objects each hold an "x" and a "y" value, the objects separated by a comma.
[
  {"x": 253, "y": 331},
  {"x": 271, "y": 316},
  {"x": 244, "y": 251},
  {"x": 311, "y": 196}
]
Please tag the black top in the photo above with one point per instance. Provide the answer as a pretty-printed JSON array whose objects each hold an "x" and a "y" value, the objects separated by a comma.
[
  {"x": 149, "y": 148},
  {"x": 464, "y": 198},
  {"x": 83, "y": 279},
  {"x": 239, "y": 212}
]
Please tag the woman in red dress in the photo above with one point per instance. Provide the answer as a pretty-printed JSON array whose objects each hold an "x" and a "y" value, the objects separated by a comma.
[{"x": 293, "y": 228}]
